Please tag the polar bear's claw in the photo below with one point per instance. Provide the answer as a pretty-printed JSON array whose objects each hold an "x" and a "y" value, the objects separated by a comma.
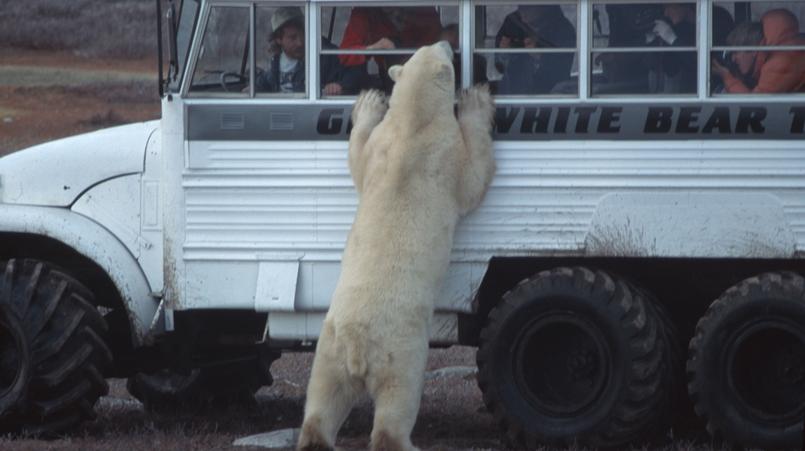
[
  {"x": 371, "y": 106},
  {"x": 476, "y": 99}
]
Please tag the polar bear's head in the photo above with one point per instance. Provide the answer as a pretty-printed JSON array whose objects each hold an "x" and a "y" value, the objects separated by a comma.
[{"x": 427, "y": 78}]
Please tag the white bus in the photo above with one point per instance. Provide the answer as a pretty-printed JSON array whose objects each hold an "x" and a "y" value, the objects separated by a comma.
[{"x": 640, "y": 251}]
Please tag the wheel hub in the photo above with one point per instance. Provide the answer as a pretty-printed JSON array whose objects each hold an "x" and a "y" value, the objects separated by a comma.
[
  {"x": 793, "y": 368},
  {"x": 767, "y": 370},
  {"x": 582, "y": 364},
  {"x": 561, "y": 364}
]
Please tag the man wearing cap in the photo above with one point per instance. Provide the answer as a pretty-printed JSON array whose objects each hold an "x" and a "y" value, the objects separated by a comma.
[{"x": 286, "y": 69}]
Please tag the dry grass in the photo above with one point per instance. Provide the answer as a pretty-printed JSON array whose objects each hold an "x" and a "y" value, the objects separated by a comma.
[{"x": 122, "y": 28}]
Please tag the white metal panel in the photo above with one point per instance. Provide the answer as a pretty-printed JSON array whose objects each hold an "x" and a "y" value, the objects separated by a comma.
[
  {"x": 307, "y": 327},
  {"x": 303, "y": 285},
  {"x": 173, "y": 160},
  {"x": 219, "y": 285},
  {"x": 57, "y": 172},
  {"x": 747, "y": 225},
  {"x": 151, "y": 197},
  {"x": 116, "y": 205},
  {"x": 541, "y": 202}
]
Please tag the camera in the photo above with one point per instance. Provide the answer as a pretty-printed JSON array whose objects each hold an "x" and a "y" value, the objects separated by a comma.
[{"x": 724, "y": 58}]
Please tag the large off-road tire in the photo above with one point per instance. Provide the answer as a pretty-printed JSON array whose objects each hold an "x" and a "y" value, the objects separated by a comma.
[
  {"x": 15, "y": 361},
  {"x": 573, "y": 355},
  {"x": 67, "y": 356},
  {"x": 746, "y": 364},
  {"x": 679, "y": 414},
  {"x": 171, "y": 391}
]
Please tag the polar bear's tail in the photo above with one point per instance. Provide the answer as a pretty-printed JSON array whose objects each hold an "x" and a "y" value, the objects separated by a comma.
[{"x": 354, "y": 339}]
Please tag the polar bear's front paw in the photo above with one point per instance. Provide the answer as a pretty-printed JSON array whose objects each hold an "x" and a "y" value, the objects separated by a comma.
[
  {"x": 370, "y": 107},
  {"x": 476, "y": 100}
]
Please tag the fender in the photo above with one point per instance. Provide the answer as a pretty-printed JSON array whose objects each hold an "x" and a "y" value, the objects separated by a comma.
[
  {"x": 99, "y": 245},
  {"x": 56, "y": 173},
  {"x": 691, "y": 225}
]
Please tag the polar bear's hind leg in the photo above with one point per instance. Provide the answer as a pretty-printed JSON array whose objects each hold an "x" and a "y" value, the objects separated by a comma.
[
  {"x": 331, "y": 394},
  {"x": 397, "y": 392}
]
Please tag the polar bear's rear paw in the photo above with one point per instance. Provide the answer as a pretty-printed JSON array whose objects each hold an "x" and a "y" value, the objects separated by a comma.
[
  {"x": 476, "y": 100},
  {"x": 311, "y": 439},
  {"x": 370, "y": 107}
]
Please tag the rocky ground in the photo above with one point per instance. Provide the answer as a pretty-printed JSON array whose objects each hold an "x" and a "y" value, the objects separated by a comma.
[{"x": 452, "y": 416}]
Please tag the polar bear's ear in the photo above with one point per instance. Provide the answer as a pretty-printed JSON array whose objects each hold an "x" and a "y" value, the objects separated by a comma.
[{"x": 395, "y": 72}]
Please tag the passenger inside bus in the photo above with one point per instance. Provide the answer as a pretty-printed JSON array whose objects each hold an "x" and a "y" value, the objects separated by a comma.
[
  {"x": 450, "y": 34},
  {"x": 626, "y": 26},
  {"x": 765, "y": 71},
  {"x": 673, "y": 72},
  {"x": 739, "y": 64},
  {"x": 286, "y": 67},
  {"x": 388, "y": 28},
  {"x": 534, "y": 26},
  {"x": 723, "y": 24}
]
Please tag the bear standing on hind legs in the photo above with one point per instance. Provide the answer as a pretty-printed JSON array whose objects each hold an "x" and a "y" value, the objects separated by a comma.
[{"x": 417, "y": 170}]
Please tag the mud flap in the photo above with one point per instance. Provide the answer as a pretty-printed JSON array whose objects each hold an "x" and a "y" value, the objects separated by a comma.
[{"x": 276, "y": 286}]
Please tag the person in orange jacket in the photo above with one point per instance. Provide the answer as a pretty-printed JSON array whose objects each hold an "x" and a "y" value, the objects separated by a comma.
[
  {"x": 388, "y": 28},
  {"x": 772, "y": 71}
]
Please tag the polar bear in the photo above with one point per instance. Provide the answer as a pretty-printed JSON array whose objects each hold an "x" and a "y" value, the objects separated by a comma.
[{"x": 416, "y": 170}]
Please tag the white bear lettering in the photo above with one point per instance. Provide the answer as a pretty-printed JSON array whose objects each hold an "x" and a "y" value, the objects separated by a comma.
[{"x": 416, "y": 169}]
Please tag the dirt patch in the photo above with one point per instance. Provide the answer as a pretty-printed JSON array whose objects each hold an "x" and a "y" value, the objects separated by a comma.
[
  {"x": 13, "y": 57},
  {"x": 53, "y": 76},
  {"x": 30, "y": 116},
  {"x": 50, "y": 95}
]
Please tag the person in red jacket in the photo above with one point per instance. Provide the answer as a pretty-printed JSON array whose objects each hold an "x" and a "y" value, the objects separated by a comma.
[
  {"x": 388, "y": 28},
  {"x": 771, "y": 71}
]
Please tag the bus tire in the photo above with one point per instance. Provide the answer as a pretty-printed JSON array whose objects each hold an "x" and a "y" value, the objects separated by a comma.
[
  {"x": 67, "y": 355},
  {"x": 571, "y": 355},
  {"x": 170, "y": 391},
  {"x": 757, "y": 324},
  {"x": 679, "y": 414},
  {"x": 15, "y": 360}
]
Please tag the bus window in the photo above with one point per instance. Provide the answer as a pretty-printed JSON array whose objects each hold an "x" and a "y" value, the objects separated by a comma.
[
  {"x": 528, "y": 49},
  {"x": 757, "y": 47},
  {"x": 280, "y": 51},
  {"x": 359, "y": 44},
  {"x": 223, "y": 60},
  {"x": 644, "y": 48}
]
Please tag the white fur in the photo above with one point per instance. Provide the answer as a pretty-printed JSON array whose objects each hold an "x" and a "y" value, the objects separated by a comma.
[{"x": 417, "y": 170}]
